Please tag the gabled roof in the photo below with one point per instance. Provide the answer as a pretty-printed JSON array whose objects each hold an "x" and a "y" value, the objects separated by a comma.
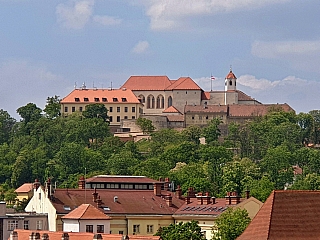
[
  {"x": 128, "y": 201},
  {"x": 286, "y": 215},
  {"x": 135, "y": 83},
  {"x": 175, "y": 118},
  {"x": 24, "y": 188},
  {"x": 160, "y": 83},
  {"x": 120, "y": 179},
  {"x": 231, "y": 75},
  {"x": 86, "y": 212},
  {"x": 205, "y": 96},
  {"x": 98, "y": 94},
  {"x": 244, "y": 97},
  {"x": 171, "y": 109}
]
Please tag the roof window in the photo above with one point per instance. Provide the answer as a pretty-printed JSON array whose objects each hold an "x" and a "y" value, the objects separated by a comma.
[
  {"x": 105, "y": 208},
  {"x": 96, "y": 99},
  {"x": 123, "y": 99},
  {"x": 86, "y": 99},
  {"x": 104, "y": 99},
  {"x": 67, "y": 208},
  {"x": 115, "y": 99},
  {"x": 77, "y": 99}
]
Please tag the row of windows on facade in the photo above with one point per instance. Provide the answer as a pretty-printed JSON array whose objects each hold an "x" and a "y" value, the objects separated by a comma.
[
  {"x": 135, "y": 229},
  {"x": 153, "y": 102},
  {"x": 96, "y": 99},
  {"x": 118, "y": 109},
  {"x": 14, "y": 224},
  {"x": 100, "y": 228},
  {"x": 207, "y": 117},
  {"x": 118, "y": 186}
]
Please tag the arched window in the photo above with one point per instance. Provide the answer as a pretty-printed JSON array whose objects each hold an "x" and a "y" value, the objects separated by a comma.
[
  {"x": 230, "y": 82},
  {"x": 152, "y": 102},
  {"x": 142, "y": 98},
  {"x": 149, "y": 101},
  {"x": 160, "y": 102},
  {"x": 170, "y": 101}
]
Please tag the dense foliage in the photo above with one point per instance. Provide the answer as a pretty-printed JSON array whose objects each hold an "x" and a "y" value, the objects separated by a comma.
[{"x": 258, "y": 156}]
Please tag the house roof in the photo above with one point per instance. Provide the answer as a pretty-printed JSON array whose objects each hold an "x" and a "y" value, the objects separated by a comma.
[
  {"x": 154, "y": 83},
  {"x": 86, "y": 212},
  {"x": 97, "y": 95},
  {"x": 171, "y": 109},
  {"x": 244, "y": 97},
  {"x": 286, "y": 215},
  {"x": 246, "y": 110},
  {"x": 128, "y": 201},
  {"x": 208, "y": 108},
  {"x": 24, "y": 188},
  {"x": 175, "y": 118},
  {"x": 231, "y": 75},
  {"x": 120, "y": 179},
  {"x": 24, "y": 234},
  {"x": 205, "y": 95}
]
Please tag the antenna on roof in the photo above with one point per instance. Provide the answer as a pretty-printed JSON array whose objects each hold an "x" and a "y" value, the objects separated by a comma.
[
  {"x": 111, "y": 85},
  {"x": 230, "y": 68},
  {"x": 75, "y": 85},
  {"x": 83, "y": 85}
]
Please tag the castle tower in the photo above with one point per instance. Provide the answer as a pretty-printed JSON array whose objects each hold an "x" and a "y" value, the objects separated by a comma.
[{"x": 230, "y": 81}]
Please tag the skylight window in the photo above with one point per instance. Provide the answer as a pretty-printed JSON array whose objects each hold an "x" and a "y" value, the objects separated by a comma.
[
  {"x": 105, "y": 208},
  {"x": 86, "y": 99},
  {"x": 124, "y": 99},
  {"x": 96, "y": 99},
  {"x": 67, "y": 208},
  {"x": 115, "y": 99},
  {"x": 77, "y": 99},
  {"x": 104, "y": 99}
]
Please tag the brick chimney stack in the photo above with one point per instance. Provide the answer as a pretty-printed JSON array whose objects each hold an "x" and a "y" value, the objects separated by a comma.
[
  {"x": 247, "y": 194},
  {"x": 168, "y": 198},
  {"x": 157, "y": 189},
  {"x": 206, "y": 199},
  {"x": 48, "y": 186},
  {"x": 95, "y": 195},
  {"x": 233, "y": 198},
  {"x": 99, "y": 202},
  {"x": 65, "y": 236},
  {"x": 179, "y": 192},
  {"x": 36, "y": 184},
  {"x": 199, "y": 198},
  {"x": 167, "y": 184},
  {"x": 81, "y": 183}
]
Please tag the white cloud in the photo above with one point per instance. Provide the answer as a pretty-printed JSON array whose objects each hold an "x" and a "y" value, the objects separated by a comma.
[
  {"x": 75, "y": 14},
  {"x": 141, "y": 47},
  {"x": 168, "y": 14},
  {"x": 107, "y": 20}
]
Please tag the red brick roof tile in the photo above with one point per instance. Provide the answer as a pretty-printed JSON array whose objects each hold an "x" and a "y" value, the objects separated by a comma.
[
  {"x": 91, "y": 94},
  {"x": 286, "y": 215},
  {"x": 86, "y": 212},
  {"x": 184, "y": 83},
  {"x": 171, "y": 109},
  {"x": 205, "y": 96},
  {"x": 175, "y": 118},
  {"x": 24, "y": 188},
  {"x": 231, "y": 75},
  {"x": 147, "y": 83}
]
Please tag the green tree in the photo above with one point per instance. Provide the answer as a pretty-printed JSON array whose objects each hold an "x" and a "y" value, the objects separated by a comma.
[
  {"x": 145, "y": 125},
  {"x": 261, "y": 188},
  {"x": 212, "y": 131},
  {"x": 309, "y": 182},
  {"x": 6, "y": 126},
  {"x": 53, "y": 107},
  {"x": 230, "y": 224},
  {"x": 29, "y": 113},
  {"x": 192, "y": 134},
  {"x": 96, "y": 110},
  {"x": 181, "y": 231}
]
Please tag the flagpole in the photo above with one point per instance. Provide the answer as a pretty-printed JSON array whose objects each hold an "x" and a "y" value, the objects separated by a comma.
[{"x": 211, "y": 82}]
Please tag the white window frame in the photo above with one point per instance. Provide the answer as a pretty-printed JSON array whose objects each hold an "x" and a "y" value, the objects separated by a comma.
[{"x": 12, "y": 224}]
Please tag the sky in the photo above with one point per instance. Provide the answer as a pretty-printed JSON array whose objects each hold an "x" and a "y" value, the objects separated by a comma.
[{"x": 47, "y": 47}]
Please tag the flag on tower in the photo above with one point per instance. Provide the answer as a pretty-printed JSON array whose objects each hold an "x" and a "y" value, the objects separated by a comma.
[{"x": 212, "y": 77}]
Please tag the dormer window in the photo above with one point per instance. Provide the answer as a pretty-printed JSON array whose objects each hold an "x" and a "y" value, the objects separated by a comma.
[
  {"x": 123, "y": 99},
  {"x": 86, "y": 99},
  {"x": 115, "y": 99},
  {"x": 77, "y": 99},
  {"x": 104, "y": 99},
  {"x": 96, "y": 99}
]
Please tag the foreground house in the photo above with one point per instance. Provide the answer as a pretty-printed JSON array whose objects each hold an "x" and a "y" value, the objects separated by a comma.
[{"x": 286, "y": 215}]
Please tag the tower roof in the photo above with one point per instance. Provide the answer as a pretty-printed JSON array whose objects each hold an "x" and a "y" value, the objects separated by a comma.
[{"x": 231, "y": 75}]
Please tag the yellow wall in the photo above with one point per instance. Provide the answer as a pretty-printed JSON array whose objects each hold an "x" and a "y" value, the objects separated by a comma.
[{"x": 156, "y": 221}]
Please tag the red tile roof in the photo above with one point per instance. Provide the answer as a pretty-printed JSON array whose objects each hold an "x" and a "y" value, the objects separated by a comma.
[
  {"x": 175, "y": 118},
  {"x": 159, "y": 83},
  {"x": 244, "y": 97},
  {"x": 231, "y": 75},
  {"x": 128, "y": 201},
  {"x": 24, "y": 234},
  {"x": 120, "y": 179},
  {"x": 171, "y": 109},
  {"x": 209, "y": 108},
  {"x": 246, "y": 110},
  {"x": 24, "y": 188},
  {"x": 86, "y": 212},
  {"x": 91, "y": 94},
  {"x": 205, "y": 96},
  {"x": 286, "y": 215}
]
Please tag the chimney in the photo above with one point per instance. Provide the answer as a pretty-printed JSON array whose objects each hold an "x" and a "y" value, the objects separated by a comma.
[
  {"x": 167, "y": 184},
  {"x": 169, "y": 200},
  {"x": 97, "y": 236},
  {"x": 191, "y": 193},
  {"x": 99, "y": 202},
  {"x": 157, "y": 189},
  {"x": 31, "y": 234},
  {"x": 206, "y": 199},
  {"x": 48, "y": 185},
  {"x": 81, "y": 183},
  {"x": 36, "y": 236},
  {"x": 65, "y": 236},
  {"x": 213, "y": 200},
  {"x": 232, "y": 198},
  {"x": 187, "y": 200},
  {"x": 228, "y": 198},
  {"x": 45, "y": 236},
  {"x": 247, "y": 194},
  {"x": 95, "y": 195},
  {"x": 179, "y": 192},
  {"x": 13, "y": 235},
  {"x": 36, "y": 184},
  {"x": 199, "y": 198}
]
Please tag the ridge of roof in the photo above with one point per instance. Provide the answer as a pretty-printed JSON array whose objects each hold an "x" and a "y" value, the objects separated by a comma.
[
  {"x": 190, "y": 84},
  {"x": 171, "y": 109}
]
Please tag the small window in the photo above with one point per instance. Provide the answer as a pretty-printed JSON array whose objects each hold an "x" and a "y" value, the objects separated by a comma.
[
  {"x": 110, "y": 118},
  {"x": 80, "y": 109},
  {"x": 96, "y": 99},
  {"x": 200, "y": 117},
  {"x": 123, "y": 99},
  {"x": 39, "y": 224},
  {"x": 67, "y": 208},
  {"x": 207, "y": 117},
  {"x": 125, "y": 109},
  {"x": 192, "y": 117},
  {"x": 125, "y": 117},
  {"x": 115, "y": 99},
  {"x": 118, "y": 118},
  {"x": 65, "y": 109},
  {"x": 133, "y": 109},
  {"x": 110, "y": 109},
  {"x": 12, "y": 224},
  {"x": 86, "y": 99},
  {"x": 149, "y": 228},
  {"x": 106, "y": 208},
  {"x": 89, "y": 228},
  {"x": 39, "y": 196},
  {"x": 136, "y": 229},
  {"x": 73, "y": 109},
  {"x": 118, "y": 109},
  {"x": 26, "y": 225},
  {"x": 133, "y": 117},
  {"x": 104, "y": 99},
  {"x": 77, "y": 99},
  {"x": 100, "y": 228},
  {"x": 121, "y": 232}
]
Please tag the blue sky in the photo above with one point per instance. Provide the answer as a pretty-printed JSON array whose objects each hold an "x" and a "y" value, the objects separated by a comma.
[{"x": 47, "y": 46}]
